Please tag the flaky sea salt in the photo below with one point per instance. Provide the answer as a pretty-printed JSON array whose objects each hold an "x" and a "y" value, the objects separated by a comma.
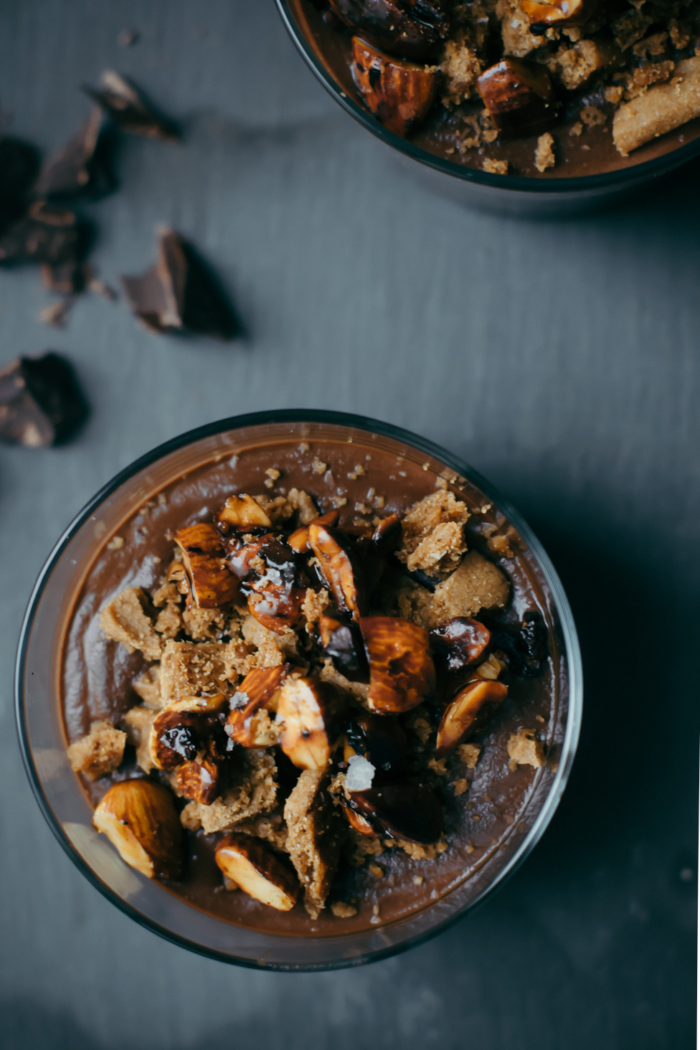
[{"x": 359, "y": 775}]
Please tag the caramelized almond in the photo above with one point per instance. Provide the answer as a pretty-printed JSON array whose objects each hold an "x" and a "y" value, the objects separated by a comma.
[
  {"x": 299, "y": 539},
  {"x": 258, "y": 694},
  {"x": 397, "y": 92},
  {"x": 359, "y": 823},
  {"x": 240, "y": 513},
  {"x": 404, "y": 811},
  {"x": 179, "y": 729},
  {"x": 400, "y": 665},
  {"x": 309, "y": 729},
  {"x": 518, "y": 95},
  {"x": 199, "y": 780},
  {"x": 211, "y": 581},
  {"x": 257, "y": 871},
  {"x": 140, "y": 820},
  {"x": 466, "y": 712},
  {"x": 338, "y": 569},
  {"x": 460, "y": 642},
  {"x": 559, "y": 12}
]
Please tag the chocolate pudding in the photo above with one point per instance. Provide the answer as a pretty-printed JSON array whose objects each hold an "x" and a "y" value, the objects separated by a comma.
[
  {"x": 454, "y": 577},
  {"x": 518, "y": 87}
]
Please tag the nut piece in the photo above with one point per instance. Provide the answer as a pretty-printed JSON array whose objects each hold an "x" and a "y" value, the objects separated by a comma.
[
  {"x": 299, "y": 539},
  {"x": 199, "y": 780},
  {"x": 518, "y": 95},
  {"x": 249, "y": 723},
  {"x": 400, "y": 665},
  {"x": 398, "y": 93},
  {"x": 525, "y": 749},
  {"x": 242, "y": 512},
  {"x": 99, "y": 753},
  {"x": 460, "y": 642},
  {"x": 404, "y": 811},
  {"x": 248, "y": 862},
  {"x": 140, "y": 820},
  {"x": 338, "y": 570},
  {"x": 559, "y": 12},
  {"x": 180, "y": 729},
  {"x": 460, "y": 717},
  {"x": 359, "y": 823},
  {"x": 212, "y": 582},
  {"x": 306, "y": 715}
]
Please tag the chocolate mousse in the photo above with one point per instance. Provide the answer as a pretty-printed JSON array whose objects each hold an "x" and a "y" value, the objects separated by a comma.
[
  {"x": 308, "y": 687},
  {"x": 567, "y": 87}
]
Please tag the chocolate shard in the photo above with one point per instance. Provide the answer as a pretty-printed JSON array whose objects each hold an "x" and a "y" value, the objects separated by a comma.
[
  {"x": 44, "y": 235},
  {"x": 41, "y": 402},
  {"x": 19, "y": 166},
  {"x": 180, "y": 295},
  {"x": 130, "y": 109},
  {"x": 81, "y": 168}
]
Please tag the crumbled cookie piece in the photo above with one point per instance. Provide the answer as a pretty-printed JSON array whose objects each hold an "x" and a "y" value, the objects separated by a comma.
[
  {"x": 461, "y": 69},
  {"x": 494, "y": 167},
  {"x": 124, "y": 620},
  {"x": 253, "y": 792},
  {"x": 314, "y": 605},
  {"x": 433, "y": 533},
  {"x": 169, "y": 620},
  {"x": 271, "y": 828},
  {"x": 341, "y": 910},
  {"x": 578, "y": 64},
  {"x": 313, "y": 839},
  {"x": 417, "y": 851},
  {"x": 193, "y": 669},
  {"x": 544, "y": 154},
  {"x": 272, "y": 648},
  {"x": 515, "y": 29},
  {"x": 100, "y": 752},
  {"x": 469, "y": 754},
  {"x": 476, "y": 584},
  {"x": 139, "y": 722},
  {"x": 460, "y": 786},
  {"x": 357, "y": 848},
  {"x": 147, "y": 686},
  {"x": 301, "y": 502},
  {"x": 661, "y": 109},
  {"x": 203, "y": 624},
  {"x": 525, "y": 749},
  {"x": 414, "y": 602}
]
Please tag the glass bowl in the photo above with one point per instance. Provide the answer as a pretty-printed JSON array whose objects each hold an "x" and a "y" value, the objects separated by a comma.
[
  {"x": 59, "y": 792},
  {"x": 547, "y": 197}
]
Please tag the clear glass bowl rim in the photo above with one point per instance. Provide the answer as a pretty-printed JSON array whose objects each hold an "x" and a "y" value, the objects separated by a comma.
[
  {"x": 566, "y": 623},
  {"x": 541, "y": 187}
]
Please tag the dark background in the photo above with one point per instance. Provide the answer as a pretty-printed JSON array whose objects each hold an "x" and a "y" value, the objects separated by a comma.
[{"x": 560, "y": 359}]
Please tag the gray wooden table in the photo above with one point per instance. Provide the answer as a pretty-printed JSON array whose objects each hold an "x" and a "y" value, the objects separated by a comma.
[{"x": 561, "y": 359}]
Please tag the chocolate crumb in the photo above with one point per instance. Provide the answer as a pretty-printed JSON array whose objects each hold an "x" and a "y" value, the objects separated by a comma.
[{"x": 80, "y": 167}]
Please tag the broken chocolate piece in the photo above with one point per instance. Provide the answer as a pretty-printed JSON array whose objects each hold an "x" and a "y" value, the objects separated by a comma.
[
  {"x": 19, "y": 164},
  {"x": 81, "y": 167},
  {"x": 180, "y": 295},
  {"x": 44, "y": 235},
  {"x": 129, "y": 108},
  {"x": 40, "y": 401}
]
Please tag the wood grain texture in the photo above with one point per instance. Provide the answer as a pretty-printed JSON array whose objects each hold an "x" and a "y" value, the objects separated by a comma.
[{"x": 562, "y": 360}]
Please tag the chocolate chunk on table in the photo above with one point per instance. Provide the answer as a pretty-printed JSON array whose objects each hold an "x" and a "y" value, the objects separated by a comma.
[
  {"x": 19, "y": 165},
  {"x": 41, "y": 402},
  {"x": 81, "y": 166},
  {"x": 180, "y": 294},
  {"x": 130, "y": 110}
]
